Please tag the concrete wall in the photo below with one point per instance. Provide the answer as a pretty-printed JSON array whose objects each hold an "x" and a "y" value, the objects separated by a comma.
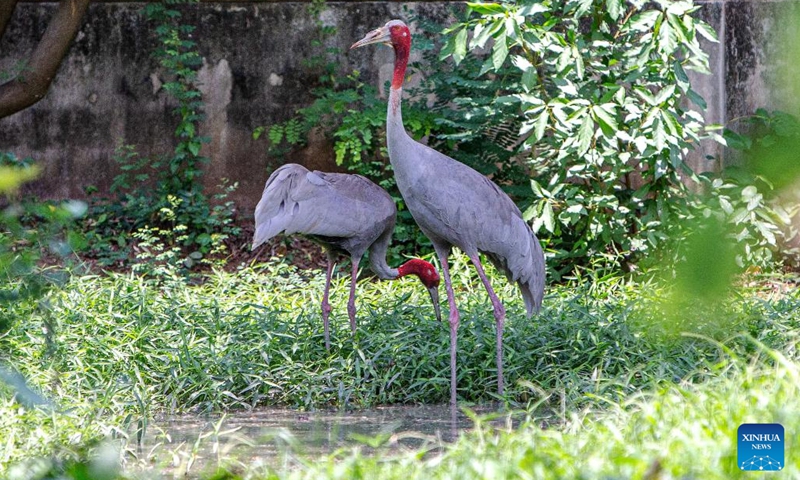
[{"x": 107, "y": 90}]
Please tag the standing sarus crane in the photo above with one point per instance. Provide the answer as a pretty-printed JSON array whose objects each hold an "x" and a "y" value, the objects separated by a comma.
[
  {"x": 346, "y": 214},
  {"x": 455, "y": 206}
]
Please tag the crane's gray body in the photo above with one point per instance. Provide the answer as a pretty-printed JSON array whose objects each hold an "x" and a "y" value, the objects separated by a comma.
[
  {"x": 344, "y": 213},
  {"x": 455, "y": 205}
]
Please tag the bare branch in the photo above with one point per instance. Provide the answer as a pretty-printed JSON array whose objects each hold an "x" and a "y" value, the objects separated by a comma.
[
  {"x": 33, "y": 82},
  {"x": 6, "y": 10}
]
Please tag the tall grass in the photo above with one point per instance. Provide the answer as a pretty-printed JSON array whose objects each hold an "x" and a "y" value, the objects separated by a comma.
[
  {"x": 114, "y": 350},
  {"x": 254, "y": 338}
]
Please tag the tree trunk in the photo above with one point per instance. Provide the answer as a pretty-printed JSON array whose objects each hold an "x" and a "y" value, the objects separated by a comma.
[
  {"x": 6, "y": 10},
  {"x": 33, "y": 82}
]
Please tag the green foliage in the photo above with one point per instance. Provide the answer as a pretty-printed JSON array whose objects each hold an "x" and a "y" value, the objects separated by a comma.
[
  {"x": 28, "y": 230},
  {"x": 129, "y": 347},
  {"x": 594, "y": 96},
  {"x": 166, "y": 193},
  {"x": 754, "y": 197},
  {"x": 180, "y": 59},
  {"x": 254, "y": 338}
]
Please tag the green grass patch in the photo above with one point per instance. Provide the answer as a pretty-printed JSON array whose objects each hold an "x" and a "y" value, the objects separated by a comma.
[{"x": 613, "y": 375}]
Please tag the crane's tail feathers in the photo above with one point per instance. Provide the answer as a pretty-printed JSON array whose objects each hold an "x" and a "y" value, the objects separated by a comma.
[
  {"x": 526, "y": 269},
  {"x": 265, "y": 231},
  {"x": 271, "y": 216},
  {"x": 533, "y": 288}
]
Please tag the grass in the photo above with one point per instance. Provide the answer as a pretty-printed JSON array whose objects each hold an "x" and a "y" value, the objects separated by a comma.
[
  {"x": 623, "y": 390},
  {"x": 677, "y": 431}
]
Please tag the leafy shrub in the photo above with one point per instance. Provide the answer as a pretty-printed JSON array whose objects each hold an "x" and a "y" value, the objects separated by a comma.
[{"x": 598, "y": 90}]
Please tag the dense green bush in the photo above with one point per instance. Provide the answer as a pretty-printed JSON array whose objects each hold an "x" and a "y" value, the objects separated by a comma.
[{"x": 599, "y": 92}]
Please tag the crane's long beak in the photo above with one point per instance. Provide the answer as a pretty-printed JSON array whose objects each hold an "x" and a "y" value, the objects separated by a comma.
[
  {"x": 434, "y": 291},
  {"x": 379, "y": 35}
]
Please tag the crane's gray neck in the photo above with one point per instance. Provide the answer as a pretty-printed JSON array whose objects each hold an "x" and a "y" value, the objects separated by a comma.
[
  {"x": 377, "y": 256},
  {"x": 394, "y": 115}
]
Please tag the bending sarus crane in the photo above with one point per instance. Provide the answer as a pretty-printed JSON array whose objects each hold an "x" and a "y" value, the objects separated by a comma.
[
  {"x": 343, "y": 213},
  {"x": 456, "y": 206}
]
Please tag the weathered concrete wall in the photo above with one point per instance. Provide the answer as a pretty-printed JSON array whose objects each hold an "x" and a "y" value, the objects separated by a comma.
[{"x": 107, "y": 91}]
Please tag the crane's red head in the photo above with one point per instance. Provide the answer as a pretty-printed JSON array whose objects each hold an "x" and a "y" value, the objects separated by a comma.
[
  {"x": 427, "y": 275},
  {"x": 395, "y": 34}
]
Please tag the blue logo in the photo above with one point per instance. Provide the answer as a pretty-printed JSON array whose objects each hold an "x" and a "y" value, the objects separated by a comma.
[{"x": 760, "y": 447}]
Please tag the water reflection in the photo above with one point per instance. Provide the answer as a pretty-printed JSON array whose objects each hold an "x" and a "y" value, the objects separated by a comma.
[{"x": 281, "y": 437}]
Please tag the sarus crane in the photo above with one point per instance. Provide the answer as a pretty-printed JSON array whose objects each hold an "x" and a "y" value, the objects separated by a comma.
[
  {"x": 455, "y": 206},
  {"x": 346, "y": 214}
]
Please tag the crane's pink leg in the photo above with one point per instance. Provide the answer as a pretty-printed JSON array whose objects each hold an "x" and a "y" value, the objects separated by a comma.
[
  {"x": 499, "y": 316},
  {"x": 351, "y": 304},
  {"x": 326, "y": 307},
  {"x": 451, "y": 301}
]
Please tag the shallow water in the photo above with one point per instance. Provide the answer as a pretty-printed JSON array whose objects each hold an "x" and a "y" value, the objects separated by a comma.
[{"x": 280, "y": 438}]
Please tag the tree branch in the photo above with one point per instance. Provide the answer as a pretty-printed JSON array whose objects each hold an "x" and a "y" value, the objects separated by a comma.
[
  {"x": 33, "y": 82},
  {"x": 6, "y": 10}
]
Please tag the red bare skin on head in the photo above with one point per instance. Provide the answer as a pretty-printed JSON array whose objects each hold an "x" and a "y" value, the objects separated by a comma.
[
  {"x": 401, "y": 41},
  {"x": 424, "y": 270}
]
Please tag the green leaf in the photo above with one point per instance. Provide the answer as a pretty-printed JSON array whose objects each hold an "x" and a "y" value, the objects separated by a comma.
[
  {"x": 705, "y": 30},
  {"x": 487, "y": 8},
  {"x": 682, "y": 32},
  {"x": 533, "y": 9},
  {"x": 276, "y": 134},
  {"x": 584, "y": 6},
  {"x": 500, "y": 51},
  {"x": 585, "y": 134},
  {"x": 576, "y": 55},
  {"x": 644, "y": 21},
  {"x": 530, "y": 79},
  {"x": 605, "y": 118},
  {"x": 12, "y": 177},
  {"x": 615, "y": 8},
  {"x": 548, "y": 219},
  {"x": 482, "y": 35},
  {"x": 659, "y": 134},
  {"x": 258, "y": 131},
  {"x": 645, "y": 95},
  {"x": 460, "y": 46},
  {"x": 541, "y": 125},
  {"x": 680, "y": 75},
  {"x": 696, "y": 99},
  {"x": 667, "y": 39},
  {"x": 665, "y": 94}
]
